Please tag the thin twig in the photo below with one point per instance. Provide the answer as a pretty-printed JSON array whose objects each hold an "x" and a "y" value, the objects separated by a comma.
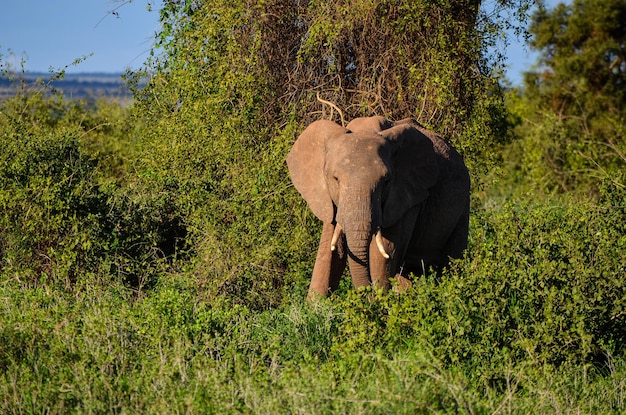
[{"x": 333, "y": 106}]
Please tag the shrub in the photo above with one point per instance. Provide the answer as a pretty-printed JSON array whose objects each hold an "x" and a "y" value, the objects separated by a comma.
[
  {"x": 541, "y": 284},
  {"x": 63, "y": 212}
]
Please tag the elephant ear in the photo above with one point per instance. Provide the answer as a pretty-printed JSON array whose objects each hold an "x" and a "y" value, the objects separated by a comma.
[
  {"x": 415, "y": 171},
  {"x": 306, "y": 166}
]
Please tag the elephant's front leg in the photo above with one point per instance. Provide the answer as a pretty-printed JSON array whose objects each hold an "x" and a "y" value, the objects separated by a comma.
[
  {"x": 380, "y": 267},
  {"x": 383, "y": 270},
  {"x": 395, "y": 242},
  {"x": 329, "y": 265}
]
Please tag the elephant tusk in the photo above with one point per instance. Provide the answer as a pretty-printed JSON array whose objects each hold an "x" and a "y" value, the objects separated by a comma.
[
  {"x": 379, "y": 244},
  {"x": 336, "y": 233}
]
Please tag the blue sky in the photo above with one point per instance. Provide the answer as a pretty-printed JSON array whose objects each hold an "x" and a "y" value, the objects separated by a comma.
[{"x": 53, "y": 33}]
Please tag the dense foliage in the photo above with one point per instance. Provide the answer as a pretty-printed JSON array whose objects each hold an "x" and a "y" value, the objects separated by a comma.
[
  {"x": 236, "y": 81},
  {"x": 531, "y": 322},
  {"x": 155, "y": 258},
  {"x": 571, "y": 111},
  {"x": 63, "y": 213}
]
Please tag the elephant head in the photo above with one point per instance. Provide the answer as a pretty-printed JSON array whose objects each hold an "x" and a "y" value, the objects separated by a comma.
[{"x": 363, "y": 179}]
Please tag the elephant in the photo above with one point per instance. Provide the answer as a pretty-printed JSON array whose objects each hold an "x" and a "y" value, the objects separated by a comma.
[{"x": 393, "y": 198}]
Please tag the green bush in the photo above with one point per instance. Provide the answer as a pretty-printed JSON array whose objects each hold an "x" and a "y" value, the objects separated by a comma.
[
  {"x": 103, "y": 350},
  {"x": 48, "y": 194},
  {"x": 532, "y": 319},
  {"x": 63, "y": 211},
  {"x": 541, "y": 284}
]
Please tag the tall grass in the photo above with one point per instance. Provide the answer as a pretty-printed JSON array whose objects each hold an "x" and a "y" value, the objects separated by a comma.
[{"x": 100, "y": 350}]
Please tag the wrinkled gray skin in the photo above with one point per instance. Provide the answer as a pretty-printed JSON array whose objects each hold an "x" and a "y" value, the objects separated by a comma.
[{"x": 376, "y": 175}]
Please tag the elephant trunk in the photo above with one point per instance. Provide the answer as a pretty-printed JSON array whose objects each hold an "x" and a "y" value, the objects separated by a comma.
[
  {"x": 360, "y": 226},
  {"x": 358, "y": 256}
]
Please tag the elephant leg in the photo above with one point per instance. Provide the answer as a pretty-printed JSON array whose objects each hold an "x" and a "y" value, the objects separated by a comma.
[
  {"x": 396, "y": 240},
  {"x": 329, "y": 265},
  {"x": 379, "y": 266}
]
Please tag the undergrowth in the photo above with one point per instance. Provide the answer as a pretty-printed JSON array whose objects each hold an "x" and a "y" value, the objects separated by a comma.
[{"x": 534, "y": 326}]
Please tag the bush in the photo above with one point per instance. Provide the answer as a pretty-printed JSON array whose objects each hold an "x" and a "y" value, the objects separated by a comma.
[
  {"x": 48, "y": 194},
  {"x": 63, "y": 212},
  {"x": 532, "y": 318},
  {"x": 541, "y": 284}
]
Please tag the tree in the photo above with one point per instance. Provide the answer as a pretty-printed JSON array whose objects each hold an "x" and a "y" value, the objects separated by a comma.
[
  {"x": 583, "y": 47},
  {"x": 572, "y": 109},
  {"x": 427, "y": 59},
  {"x": 234, "y": 82}
]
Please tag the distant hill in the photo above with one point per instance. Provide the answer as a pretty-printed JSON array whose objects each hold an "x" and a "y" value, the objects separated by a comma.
[{"x": 73, "y": 85}]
